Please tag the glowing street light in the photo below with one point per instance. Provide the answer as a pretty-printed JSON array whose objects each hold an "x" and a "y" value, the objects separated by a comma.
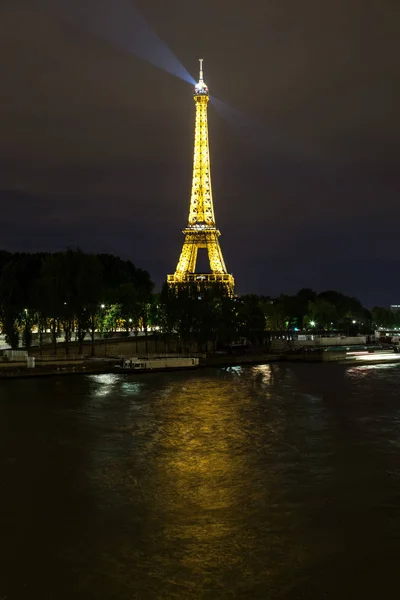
[{"x": 312, "y": 323}]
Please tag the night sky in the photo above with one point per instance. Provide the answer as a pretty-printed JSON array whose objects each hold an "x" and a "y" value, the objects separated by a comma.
[{"x": 96, "y": 143}]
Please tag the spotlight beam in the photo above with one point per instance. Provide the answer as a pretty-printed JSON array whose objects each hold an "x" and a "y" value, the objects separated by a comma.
[
  {"x": 119, "y": 22},
  {"x": 259, "y": 134}
]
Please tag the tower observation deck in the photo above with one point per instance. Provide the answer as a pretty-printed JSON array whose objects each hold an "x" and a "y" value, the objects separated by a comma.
[{"x": 201, "y": 231}]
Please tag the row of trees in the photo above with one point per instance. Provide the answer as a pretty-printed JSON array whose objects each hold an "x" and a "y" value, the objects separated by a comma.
[
  {"x": 207, "y": 314},
  {"x": 73, "y": 292},
  {"x": 327, "y": 311},
  {"x": 69, "y": 292}
]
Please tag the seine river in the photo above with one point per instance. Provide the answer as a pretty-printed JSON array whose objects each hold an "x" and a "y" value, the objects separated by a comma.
[{"x": 273, "y": 482}]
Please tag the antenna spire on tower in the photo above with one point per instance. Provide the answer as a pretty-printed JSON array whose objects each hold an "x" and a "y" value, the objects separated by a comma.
[{"x": 201, "y": 69}]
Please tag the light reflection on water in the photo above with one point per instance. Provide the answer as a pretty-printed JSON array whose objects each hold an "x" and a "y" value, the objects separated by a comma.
[
  {"x": 263, "y": 373},
  {"x": 131, "y": 388},
  {"x": 267, "y": 482},
  {"x": 365, "y": 369},
  {"x": 110, "y": 383},
  {"x": 103, "y": 384}
]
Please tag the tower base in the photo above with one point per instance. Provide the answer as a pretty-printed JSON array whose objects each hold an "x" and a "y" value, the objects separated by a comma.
[{"x": 225, "y": 279}]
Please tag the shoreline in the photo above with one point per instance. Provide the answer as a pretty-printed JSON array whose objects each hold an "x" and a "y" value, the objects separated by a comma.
[
  {"x": 94, "y": 367},
  {"x": 108, "y": 366}
]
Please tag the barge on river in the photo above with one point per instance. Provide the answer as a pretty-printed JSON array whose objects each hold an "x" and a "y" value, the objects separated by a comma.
[{"x": 151, "y": 365}]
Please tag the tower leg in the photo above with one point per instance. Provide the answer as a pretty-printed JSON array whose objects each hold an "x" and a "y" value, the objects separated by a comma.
[
  {"x": 215, "y": 258},
  {"x": 188, "y": 257}
]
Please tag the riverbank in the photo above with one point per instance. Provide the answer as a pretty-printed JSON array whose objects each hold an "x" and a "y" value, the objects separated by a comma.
[
  {"x": 103, "y": 366},
  {"x": 96, "y": 366},
  {"x": 79, "y": 367}
]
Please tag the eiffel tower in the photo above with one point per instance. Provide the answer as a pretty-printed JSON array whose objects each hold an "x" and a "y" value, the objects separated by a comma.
[{"x": 201, "y": 231}]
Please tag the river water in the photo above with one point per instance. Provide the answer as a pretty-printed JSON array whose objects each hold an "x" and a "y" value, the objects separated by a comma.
[{"x": 272, "y": 482}]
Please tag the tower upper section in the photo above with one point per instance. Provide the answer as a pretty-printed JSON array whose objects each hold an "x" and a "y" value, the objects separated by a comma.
[
  {"x": 200, "y": 89},
  {"x": 201, "y": 212}
]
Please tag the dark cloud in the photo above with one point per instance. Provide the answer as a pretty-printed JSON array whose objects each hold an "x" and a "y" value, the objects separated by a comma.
[{"x": 96, "y": 145}]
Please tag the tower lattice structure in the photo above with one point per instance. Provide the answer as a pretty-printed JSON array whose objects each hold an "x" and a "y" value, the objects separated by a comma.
[{"x": 201, "y": 231}]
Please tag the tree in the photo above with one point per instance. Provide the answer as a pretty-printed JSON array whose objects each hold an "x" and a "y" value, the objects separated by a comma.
[
  {"x": 179, "y": 311},
  {"x": 275, "y": 315},
  {"x": 251, "y": 319},
  {"x": 53, "y": 286},
  {"x": 17, "y": 297},
  {"x": 322, "y": 312},
  {"x": 385, "y": 318},
  {"x": 10, "y": 302},
  {"x": 88, "y": 281}
]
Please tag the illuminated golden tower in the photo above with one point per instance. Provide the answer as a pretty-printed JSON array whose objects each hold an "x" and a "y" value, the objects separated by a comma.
[{"x": 201, "y": 231}]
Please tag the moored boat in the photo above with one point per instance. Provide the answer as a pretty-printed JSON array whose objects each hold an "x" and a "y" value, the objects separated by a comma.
[{"x": 150, "y": 365}]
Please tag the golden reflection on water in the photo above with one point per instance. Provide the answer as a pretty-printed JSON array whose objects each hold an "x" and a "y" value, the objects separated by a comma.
[
  {"x": 201, "y": 468},
  {"x": 199, "y": 462}
]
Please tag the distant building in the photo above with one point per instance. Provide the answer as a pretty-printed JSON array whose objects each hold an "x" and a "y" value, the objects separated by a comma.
[{"x": 395, "y": 307}]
